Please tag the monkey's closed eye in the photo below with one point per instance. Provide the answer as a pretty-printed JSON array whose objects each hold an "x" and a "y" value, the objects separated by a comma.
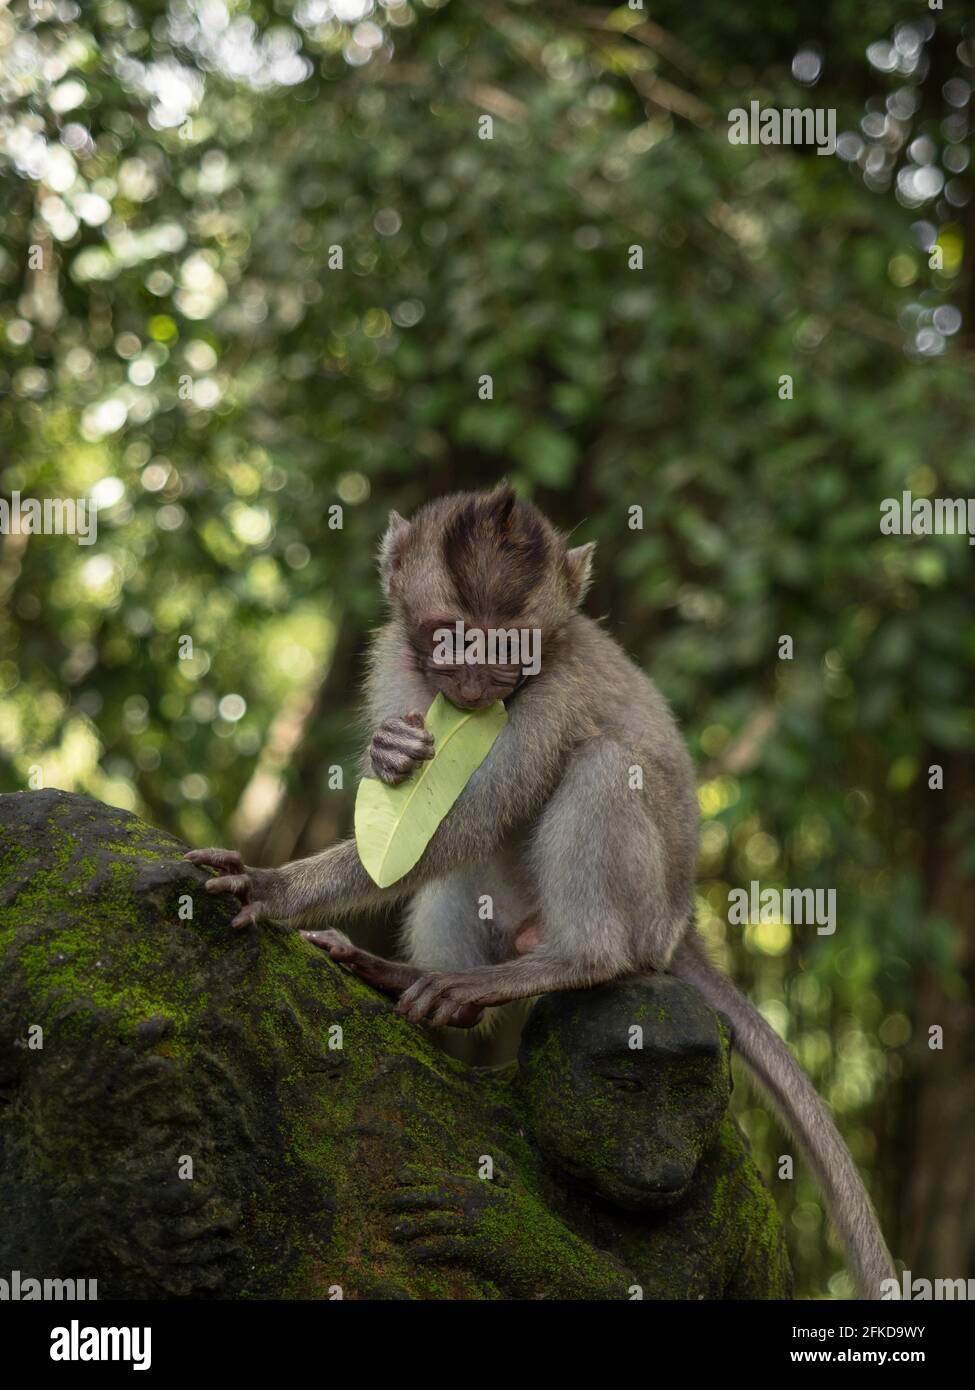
[
  {"x": 697, "y": 1075},
  {"x": 621, "y": 1083}
]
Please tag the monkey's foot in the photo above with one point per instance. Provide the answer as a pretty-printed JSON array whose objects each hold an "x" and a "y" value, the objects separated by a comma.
[
  {"x": 392, "y": 977},
  {"x": 435, "y": 1213},
  {"x": 467, "y": 1016},
  {"x": 454, "y": 1000}
]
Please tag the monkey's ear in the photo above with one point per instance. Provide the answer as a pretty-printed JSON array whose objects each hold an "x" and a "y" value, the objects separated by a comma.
[
  {"x": 391, "y": 550},
  {"x": 500, "y": 504},
  {"x": 578, "y": 570}
]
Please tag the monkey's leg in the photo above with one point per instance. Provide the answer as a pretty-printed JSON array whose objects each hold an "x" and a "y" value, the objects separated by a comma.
[
  {"x": 390, "y": 976},
  {"x": 602, "y": 883},
  {"x": 442, "y": 929},
  {"x": 438, "y": 997}
]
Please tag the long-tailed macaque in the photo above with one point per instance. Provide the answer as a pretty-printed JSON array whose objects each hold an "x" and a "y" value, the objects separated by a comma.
[{"x": 579, "y": 828}]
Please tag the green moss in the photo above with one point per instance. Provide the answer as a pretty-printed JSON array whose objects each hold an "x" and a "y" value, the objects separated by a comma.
[
  {"x": 62, "y": 963},
  {"x": 299, "y": 1139}
]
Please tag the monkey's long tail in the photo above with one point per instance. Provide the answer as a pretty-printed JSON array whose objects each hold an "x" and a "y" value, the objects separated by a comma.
[{"x": 800, "y": 1108}]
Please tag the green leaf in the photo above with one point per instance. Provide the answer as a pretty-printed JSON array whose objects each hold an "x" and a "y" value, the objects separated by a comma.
[{"x": 394, "y": 825}]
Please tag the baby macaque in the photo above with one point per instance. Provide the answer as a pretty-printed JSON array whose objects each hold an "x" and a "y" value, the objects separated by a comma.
[{"x": 579, "y": 828}]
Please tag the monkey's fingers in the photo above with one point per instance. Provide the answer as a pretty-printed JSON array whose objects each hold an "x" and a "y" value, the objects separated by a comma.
[
  {"x": 336, "y": 943},
  {"x": 392, "y": 768},
  {"x": 441, "y": 998},
  {"x": 415, "y": 721},
  {"x": 448, "y": 1223},
  {"x": 400, "y": 747},
  {"x": 453, "y": 1248},
  {"x": 467, "y": 1016},
  {"x": 238, "y": 884},
  {"x": 424, "y": 1196},
  {"x": 419, "y": 998},
  {"x": 407, "y": 734},
  {"x": 227, "y": 860},
  {"x": 445, "y": 1012},
  {"x": 249, "y": 915},
  {"x": 440, "y": 1005}
]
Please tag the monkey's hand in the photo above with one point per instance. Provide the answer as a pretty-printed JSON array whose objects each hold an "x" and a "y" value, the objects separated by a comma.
[
  {"x": 399, "y": 746},
  {"x": 499, "y": 1232},
  {"x": 261, "y": 892}
]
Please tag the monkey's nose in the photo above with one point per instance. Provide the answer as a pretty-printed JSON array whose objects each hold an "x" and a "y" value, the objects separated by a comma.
[
  {"x": 669, "y": 1177},
  {"x": 471, "y": 694},
  {"x": 479, "y": 701}
]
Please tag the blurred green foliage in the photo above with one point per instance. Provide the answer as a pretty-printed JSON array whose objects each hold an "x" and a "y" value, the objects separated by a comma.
[{"x": 181, "y": 182}]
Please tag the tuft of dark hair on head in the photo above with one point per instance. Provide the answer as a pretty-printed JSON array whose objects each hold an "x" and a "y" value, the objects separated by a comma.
[
  {"x": 500, "y": 505},
  {"x": 496, "y": 550}
]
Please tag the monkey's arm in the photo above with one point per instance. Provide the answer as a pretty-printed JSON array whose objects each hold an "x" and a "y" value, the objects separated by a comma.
[
  {"x": 291, "y": 891},
  {"x": 508, "y": 789}
]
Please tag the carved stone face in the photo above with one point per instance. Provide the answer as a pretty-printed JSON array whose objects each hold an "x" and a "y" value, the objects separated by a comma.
[
  {"x": 627, "y": 1085},
  {"x": 176, "y": 1122},
  {"x": 146, "y": 1137}
]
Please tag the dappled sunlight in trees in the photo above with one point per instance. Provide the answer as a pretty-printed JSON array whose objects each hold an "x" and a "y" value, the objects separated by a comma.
[{"x": 254, "y": 260}]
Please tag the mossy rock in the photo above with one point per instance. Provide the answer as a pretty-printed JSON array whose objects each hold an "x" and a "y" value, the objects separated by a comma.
[{"x": 189, "y": 1111}]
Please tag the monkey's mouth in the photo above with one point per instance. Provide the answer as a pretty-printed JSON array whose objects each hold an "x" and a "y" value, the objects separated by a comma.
[
  {"x": 489, "y": 696},
  {"x": 482, "y": 701},
  {"x": 652, "y": 1196},
  {"x": 660, "y": 1201},
  {"x": 490, "y": 691}
]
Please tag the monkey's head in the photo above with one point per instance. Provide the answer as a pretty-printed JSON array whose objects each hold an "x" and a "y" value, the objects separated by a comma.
[
  {"x": 627, "y": 1085},
  {"x": 493, "y": 563}
]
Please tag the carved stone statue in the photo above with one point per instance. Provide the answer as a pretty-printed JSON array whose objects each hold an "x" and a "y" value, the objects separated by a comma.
[{"x": 189, "y": 1111}]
